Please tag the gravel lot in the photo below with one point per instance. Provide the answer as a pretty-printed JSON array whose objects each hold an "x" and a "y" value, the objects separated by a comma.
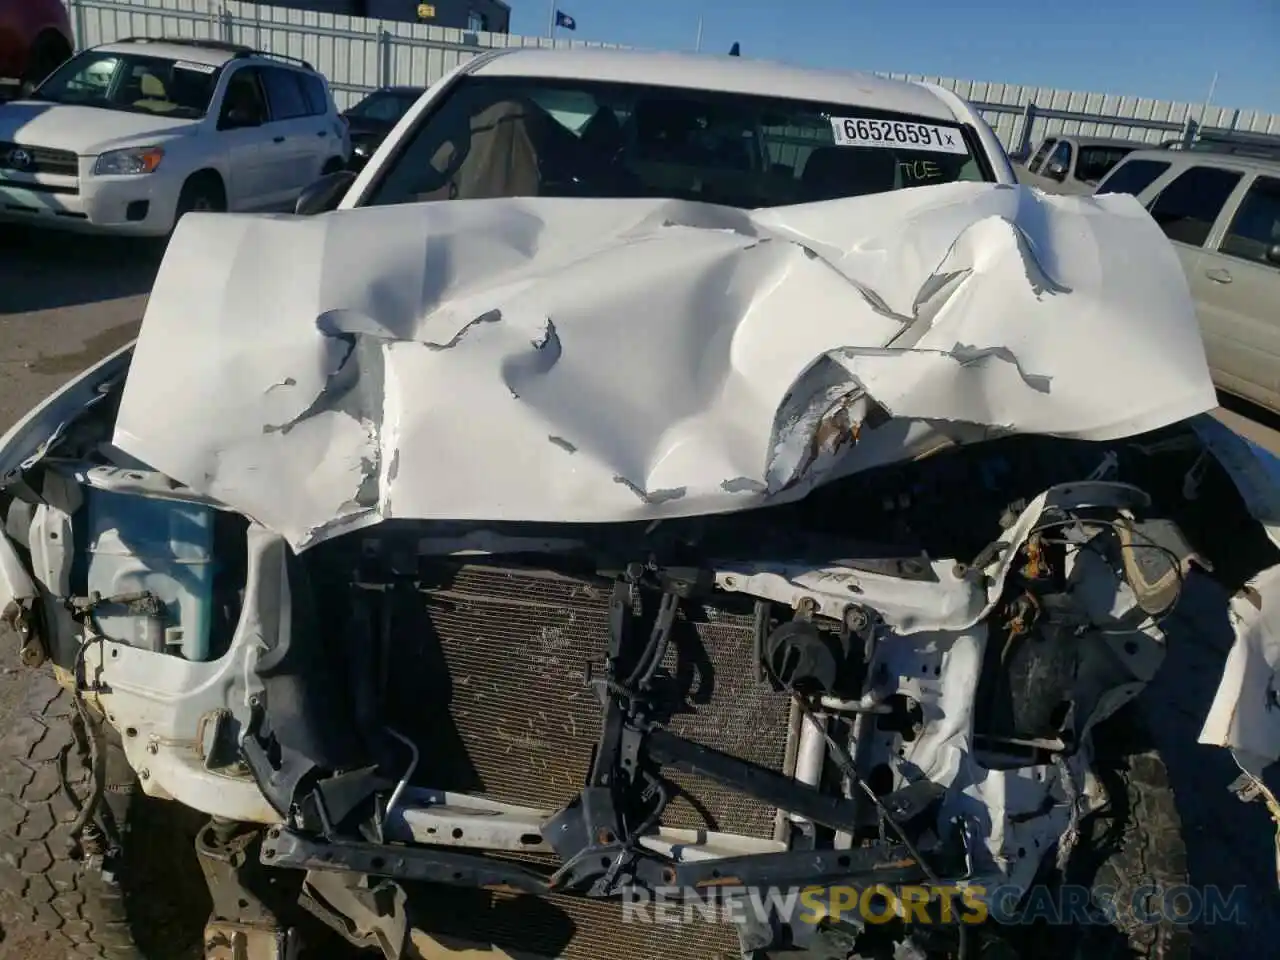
[{"x": 65, "y": 302}]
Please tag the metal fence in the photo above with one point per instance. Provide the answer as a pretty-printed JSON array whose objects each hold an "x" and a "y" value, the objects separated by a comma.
[{"x": 358, "y": 55}]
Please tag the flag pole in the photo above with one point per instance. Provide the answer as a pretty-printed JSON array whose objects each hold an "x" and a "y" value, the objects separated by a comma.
[
  {"x": 551, "y": 19},
  {"x": 1213, "y": 86},
  {"x": 697, "y": 47}
]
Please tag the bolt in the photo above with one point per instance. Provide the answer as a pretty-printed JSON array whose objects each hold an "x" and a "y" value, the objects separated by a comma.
[
  {"x": 144, "y": 774},
  {"x": 856, "y": 619},
  {"x": 153, "y": 749}
]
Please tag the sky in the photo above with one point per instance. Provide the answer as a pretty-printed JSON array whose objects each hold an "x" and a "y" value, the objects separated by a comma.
[{"x": 1164, "y": 49}]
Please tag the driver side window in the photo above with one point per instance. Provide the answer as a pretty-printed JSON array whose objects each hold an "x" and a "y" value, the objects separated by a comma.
[{"x": 243, "y": 105}]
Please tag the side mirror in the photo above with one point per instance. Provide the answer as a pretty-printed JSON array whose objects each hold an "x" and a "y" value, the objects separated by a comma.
[
  {"x": 1056, "y": 171},
  {"x": 324, "y": 194},
  {"x": 1273, "y": 253}
]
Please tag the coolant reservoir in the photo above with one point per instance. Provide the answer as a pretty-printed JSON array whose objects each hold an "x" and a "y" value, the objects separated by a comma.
[{"x": 164, "y": 547}]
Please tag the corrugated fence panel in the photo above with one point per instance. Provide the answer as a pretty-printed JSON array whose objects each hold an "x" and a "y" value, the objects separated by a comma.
[{"x": 359, "y": 54}]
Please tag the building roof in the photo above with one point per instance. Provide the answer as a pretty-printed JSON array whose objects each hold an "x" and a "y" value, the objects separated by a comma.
[{"x": 722, "y": 73}]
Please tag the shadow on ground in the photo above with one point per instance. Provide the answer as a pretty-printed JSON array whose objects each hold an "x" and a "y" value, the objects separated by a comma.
[
  {"x": 47, "y": 270},
  {"x": 1229, "y": 843}
]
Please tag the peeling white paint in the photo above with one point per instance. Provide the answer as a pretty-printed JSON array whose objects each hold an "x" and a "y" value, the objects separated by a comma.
[{"x": 601, "y": 360}]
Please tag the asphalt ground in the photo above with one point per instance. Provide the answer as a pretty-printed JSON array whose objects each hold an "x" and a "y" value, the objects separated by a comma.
[{"x": 67, "y": 301}]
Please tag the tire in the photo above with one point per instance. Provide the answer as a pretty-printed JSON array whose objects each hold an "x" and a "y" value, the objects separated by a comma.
[
  {"x": 1135, "y": 843},
  {"x": 203, "y": 192},
  {"x": 46, "y": 889}
]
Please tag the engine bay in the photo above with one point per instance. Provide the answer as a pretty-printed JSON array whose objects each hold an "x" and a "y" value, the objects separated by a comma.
[{"x": 893, "y": 680}]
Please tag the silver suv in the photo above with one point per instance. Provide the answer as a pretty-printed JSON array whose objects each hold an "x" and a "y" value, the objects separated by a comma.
[{"x": 1222, "y": 213}]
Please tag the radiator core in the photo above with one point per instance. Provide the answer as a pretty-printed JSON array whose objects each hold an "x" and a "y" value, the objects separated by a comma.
[{"x": 499, "y": 704}]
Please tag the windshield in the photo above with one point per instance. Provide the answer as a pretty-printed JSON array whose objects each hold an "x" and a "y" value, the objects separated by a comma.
[
  {"x": 523, "y": 137},
  {"x": 386, "y": 106},
  {"x": 133, "y": 83}
]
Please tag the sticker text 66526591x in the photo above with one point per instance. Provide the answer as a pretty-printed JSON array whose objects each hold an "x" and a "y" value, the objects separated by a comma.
[{"x": 867, "y": 132}]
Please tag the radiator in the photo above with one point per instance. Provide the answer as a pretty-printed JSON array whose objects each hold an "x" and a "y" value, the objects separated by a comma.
[{"x": 499, "y": 704}]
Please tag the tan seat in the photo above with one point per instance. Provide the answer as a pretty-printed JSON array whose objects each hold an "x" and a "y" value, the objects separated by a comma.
[
  {"x": 154, "y": 95},
  {"x": 501, "y": 159}
]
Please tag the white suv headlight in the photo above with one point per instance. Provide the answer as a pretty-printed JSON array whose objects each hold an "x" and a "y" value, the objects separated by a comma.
[{"x": 134, "y": 160}]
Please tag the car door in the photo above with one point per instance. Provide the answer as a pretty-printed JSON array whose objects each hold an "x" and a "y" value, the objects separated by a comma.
[
  {"x": 1241, "y": 298},
  {"x": 241, "y": 118},
  {"x": 1186, "y": 209},
  {"x": 328, "y": 130},
  {"x": 291, "y": 143}
]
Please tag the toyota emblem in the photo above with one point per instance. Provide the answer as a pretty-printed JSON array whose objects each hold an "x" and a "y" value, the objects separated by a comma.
[{"x": 19, "y": 159}]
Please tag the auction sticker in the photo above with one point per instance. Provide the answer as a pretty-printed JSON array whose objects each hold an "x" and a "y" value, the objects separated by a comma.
[{"x": 866, "y": 132}]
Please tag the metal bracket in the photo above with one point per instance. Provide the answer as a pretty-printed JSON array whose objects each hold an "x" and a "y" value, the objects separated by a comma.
[
  {"x": 244, "y": 926},
  {"x": 774, "y": 788},
  {"x": 18, "y": 615},
  {"x": 236, "y": 941},
  {"x": 284, "y": 847}
]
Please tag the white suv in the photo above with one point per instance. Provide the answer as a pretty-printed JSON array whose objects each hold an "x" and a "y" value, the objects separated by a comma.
[{"x": 128, "y": 136}]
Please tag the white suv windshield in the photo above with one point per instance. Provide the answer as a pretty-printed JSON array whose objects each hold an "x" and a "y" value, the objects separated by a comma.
[
  {"x": 133, "y": 83},
  {"x": 513, "y": 136}
]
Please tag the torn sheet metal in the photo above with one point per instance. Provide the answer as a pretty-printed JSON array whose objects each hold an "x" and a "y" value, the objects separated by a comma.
[
  {"x": 1245, "y": 715},
  {"x": 604, "y": 360}
]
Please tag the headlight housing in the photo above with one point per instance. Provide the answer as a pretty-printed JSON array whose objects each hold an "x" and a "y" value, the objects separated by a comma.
[{"x": 128, "y": 162}]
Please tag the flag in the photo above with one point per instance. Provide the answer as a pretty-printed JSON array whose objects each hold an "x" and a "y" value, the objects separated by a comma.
[
  {"x": 566, "y": 21},
  {"x": 735, "y": 50}
]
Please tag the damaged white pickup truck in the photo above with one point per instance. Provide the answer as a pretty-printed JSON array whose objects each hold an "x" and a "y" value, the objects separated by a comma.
[{"x": 652, "y": 478}]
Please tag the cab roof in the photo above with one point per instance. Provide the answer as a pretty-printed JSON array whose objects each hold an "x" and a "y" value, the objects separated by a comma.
[
  {"x": 719, "y": 73},
  {"x": 195, "y": 52},
  {"x": 1081, "y": 140},
  {"x": 1210, "y": 158}
]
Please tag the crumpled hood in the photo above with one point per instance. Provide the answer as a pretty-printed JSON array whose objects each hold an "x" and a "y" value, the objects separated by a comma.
[{"x": 607, "y": 360}]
